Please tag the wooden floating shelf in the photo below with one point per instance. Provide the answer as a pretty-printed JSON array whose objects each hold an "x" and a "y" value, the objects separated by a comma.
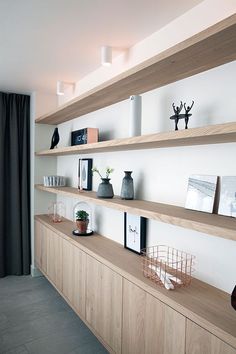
[
  {"x": 208, "y": 49},
  {"x": 211, "y": 224},
  {"x": 212, "y": 134}
]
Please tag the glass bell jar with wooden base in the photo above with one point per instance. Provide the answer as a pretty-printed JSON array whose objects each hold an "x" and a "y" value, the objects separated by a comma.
[{"x": 82, "y": 216}]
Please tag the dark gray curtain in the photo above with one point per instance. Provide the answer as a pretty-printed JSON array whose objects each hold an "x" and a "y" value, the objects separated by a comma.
[{"x": 14, "y": 184}]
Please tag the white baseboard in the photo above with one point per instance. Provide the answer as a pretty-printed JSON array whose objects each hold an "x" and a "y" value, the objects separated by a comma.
[{"x": 35, "y": 272}]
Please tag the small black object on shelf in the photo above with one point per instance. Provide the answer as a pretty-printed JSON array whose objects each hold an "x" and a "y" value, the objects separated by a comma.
[
  {"x": 87, "y": 233},
  {"x": 177, "y": 116},
  {"x": 55, "y": 139},
  {"x": 233, "y": 298}
]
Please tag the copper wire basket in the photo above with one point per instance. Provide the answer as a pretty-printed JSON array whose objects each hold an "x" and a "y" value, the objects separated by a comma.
[{"x": 167, "y": 266}]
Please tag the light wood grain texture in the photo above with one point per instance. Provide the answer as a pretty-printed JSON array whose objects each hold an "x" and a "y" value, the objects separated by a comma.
[
  {"x": 199, "y": 341},
  {"x": 104, "y": 302},
  {"x": 149, "y": 326},
  {"x": 212, "y": 134},
  {"x": 79, "y": 314},
  {"x": 210, "y": 48},
  {"x": 54, "y": 258},
  {"x": 74, "y": 276},
  {"x": 38, "y": 243},
  {"x": 211, "y": 224},
  {"x": 203, "y": 304},
  {"x": 40, "y": 246}
]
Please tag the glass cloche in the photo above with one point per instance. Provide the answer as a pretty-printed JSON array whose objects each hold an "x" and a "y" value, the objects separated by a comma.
[
  {"x": 56, "y": 211},
  {"x": 82, "y": 216}
]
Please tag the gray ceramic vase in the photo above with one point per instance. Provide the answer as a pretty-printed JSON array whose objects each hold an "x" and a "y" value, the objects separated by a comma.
[
  {"x": 105, "y": 189},
  {"x": 127, "y": 189}
]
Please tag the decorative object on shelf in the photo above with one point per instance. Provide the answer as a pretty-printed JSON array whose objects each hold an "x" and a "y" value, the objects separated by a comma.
[
  {"x": 167, "y": 266},
  {"x": 134, "y": 232},
  {"x": 54, "y": 181},
  {"x": 55, "y": 139},
  {"x": 84, "y": 136},
  {"x": 177, "y": 116},
  {"x": 227, "y": 205},
  {"x": 201, "y": 193},
  {"x": 127, "y": 188},
  {"x": 135, "y": 115},
  {"x": 83, "y": 219},
  {"x": 85, "y": 174},
  {"x": 233, "y": 298},
  {"x": 56, "y": 211},
  {"x": 105, "y": 189},
  {"x": 187, "y": 114}
]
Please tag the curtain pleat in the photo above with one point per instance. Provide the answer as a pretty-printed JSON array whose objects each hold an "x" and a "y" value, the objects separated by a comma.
[{"x": 14, "y": 184}]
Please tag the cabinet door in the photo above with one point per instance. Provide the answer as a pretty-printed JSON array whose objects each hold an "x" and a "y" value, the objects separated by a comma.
[
  {"x": 54, "y": 258},
  {"x": 149, "y": 326},
  {"x": 41, "y": 246},
  {"x": 200, "y": 341},
  {"x": 38, "y": 244},
  {"x": 74, "y": 276},
  {"x": 104, "y": 302}
]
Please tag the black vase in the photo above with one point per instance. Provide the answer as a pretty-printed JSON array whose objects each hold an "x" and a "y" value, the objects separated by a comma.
[
  {"x": 55, "y": 139},
  {"x": 233, "y": 298}
]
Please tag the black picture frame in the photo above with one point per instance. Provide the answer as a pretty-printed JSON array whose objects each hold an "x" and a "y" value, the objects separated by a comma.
[
  {"x": 135, "y": 240},
  {"x": 85, "y": 174}
]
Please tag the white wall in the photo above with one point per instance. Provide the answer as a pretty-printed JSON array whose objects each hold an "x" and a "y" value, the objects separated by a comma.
[
  {"x": 199, "y": 18},
  {"x": 161, "y": 175}
]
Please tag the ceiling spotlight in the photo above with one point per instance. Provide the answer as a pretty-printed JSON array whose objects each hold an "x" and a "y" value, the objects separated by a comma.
[
  {"x": 106, "y": 55},
  {"x": 60, "y": 88}
]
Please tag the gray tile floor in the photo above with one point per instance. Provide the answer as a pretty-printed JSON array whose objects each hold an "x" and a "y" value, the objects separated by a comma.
[{"x": 35, "y": 319}]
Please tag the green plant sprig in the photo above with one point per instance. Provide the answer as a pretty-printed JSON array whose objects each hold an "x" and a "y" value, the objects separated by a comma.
[
  {"x": 82, "y": 215},
  {"x": 107, "y": 172}
]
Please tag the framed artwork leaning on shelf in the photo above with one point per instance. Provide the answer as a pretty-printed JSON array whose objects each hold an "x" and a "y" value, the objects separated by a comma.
[
  {"x": 85, "y": 174},
  {"x": 227, "y": 204},
  {"x": 134, "y": 232},
  {"x": 201, "y": 193}
]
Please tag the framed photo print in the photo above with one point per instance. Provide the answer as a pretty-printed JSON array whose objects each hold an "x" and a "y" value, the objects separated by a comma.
[
  {"x": 227, "y": 204},
  {"x": 85, "y": 174},
  {"x": 201, "y": 193},
  {"x": 134, "y": 232}
]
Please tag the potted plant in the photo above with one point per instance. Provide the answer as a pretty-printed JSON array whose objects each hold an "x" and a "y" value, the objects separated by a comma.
[
  {"x": 105, "y": 189},
  {"x": 82, "y": 220}
]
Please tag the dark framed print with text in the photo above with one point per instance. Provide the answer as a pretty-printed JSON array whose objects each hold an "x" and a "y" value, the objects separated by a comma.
[
  {"x": 134, "y": 232},
  {"x": 85, "y": 174}
]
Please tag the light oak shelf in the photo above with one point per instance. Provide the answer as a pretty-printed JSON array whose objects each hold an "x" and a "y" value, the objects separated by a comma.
[
  {"x": 211, "y": 224},
  {"x": 203, "y": 304},
  {"x": 208, "y": 49},
  {"x": 212, "y": 134}
]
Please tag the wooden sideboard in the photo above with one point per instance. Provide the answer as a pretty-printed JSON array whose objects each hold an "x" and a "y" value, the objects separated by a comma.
[{"x": 129, "y": 314}]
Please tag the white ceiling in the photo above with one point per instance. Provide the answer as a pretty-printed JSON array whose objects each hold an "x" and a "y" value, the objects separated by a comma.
[{"x": 43, "y": 41}]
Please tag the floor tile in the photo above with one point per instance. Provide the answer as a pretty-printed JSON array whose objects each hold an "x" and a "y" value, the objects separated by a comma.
[{"x": 35, "y": 319}]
